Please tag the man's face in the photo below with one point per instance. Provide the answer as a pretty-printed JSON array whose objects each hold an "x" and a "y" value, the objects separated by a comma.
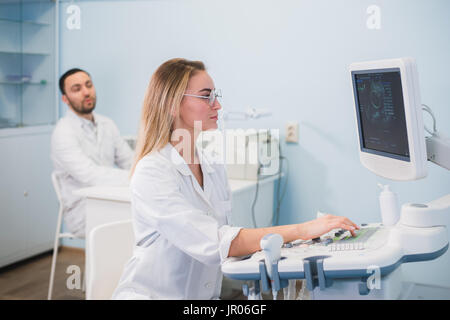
[{"x": 80, "y": 93}]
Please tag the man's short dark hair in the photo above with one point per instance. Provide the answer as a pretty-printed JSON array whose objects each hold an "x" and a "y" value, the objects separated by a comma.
[{"x": 65, "y": 75}]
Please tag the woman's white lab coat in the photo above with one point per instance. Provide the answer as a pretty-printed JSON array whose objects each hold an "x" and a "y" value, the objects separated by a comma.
[{"x": 182, "y": 232}]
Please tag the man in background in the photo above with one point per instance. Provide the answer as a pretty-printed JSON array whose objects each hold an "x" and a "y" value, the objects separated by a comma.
[{"x": 86, "y": 148}]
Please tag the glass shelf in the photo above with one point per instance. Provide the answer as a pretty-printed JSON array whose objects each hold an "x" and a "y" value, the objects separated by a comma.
[
  {"x": 31, "y": 83},
  {"x": 28, "y": 56},
  {"x": 25, "y": 53},
  {"x": 36, "y": 23}
]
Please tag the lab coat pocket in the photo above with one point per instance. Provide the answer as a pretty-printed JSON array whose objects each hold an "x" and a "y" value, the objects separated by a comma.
[{"x": 148, "y": 240}]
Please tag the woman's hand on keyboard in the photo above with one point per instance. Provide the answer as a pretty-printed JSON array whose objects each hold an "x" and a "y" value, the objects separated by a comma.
[{"x": 317, "y": 227}]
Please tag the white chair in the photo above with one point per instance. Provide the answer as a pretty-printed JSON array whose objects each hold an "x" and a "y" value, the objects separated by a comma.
[
  {"x": 110, "y": 247},
  {"x": 58, "y": 235}
]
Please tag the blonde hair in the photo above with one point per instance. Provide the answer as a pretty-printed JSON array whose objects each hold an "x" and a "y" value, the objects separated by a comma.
[{"x": 162, "y": 100}]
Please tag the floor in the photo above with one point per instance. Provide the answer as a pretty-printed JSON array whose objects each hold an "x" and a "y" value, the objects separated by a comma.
[{"x": 29, "y": 279}]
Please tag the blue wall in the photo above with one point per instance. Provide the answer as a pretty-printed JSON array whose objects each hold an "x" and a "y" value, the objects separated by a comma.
[{"x": 290, "y": 57}]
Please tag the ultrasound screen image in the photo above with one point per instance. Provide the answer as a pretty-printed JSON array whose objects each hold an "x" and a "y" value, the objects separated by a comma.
[{"x": 382, "y": 113}]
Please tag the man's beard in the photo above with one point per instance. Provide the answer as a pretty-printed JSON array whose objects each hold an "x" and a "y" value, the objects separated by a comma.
[{"x": 81, "y": 108}]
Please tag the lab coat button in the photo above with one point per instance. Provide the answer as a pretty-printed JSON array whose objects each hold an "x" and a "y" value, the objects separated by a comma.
[{"x": 208, "y": 285}]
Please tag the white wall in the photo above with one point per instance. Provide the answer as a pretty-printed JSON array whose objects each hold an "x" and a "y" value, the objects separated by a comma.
[{"x": 290, "y": 57}]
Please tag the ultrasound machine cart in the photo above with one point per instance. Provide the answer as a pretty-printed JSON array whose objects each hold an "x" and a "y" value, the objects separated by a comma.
[{"x": 392, "y": 145}]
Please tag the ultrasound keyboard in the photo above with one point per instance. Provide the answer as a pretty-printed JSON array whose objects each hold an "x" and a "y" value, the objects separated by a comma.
[{"x": 349, "y": 242}]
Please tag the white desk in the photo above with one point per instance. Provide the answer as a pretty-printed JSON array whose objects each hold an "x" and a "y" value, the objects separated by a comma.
[{"x": 109, "y": 204}]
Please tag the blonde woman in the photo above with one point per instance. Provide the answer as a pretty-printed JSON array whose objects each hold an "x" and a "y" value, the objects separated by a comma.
[{"x": 181, "y": 202}]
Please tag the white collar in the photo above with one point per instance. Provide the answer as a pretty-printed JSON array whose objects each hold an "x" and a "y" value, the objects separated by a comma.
[
  {"x": 172, "y": 155},
  {"x": 97, "y": 118}
]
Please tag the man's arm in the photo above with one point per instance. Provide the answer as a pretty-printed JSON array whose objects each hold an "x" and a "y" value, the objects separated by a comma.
[{"x": 68, "y": 155}]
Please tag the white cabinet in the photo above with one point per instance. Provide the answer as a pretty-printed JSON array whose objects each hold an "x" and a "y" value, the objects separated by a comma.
[
  {"x": 28, "y": 204},
  {"x": 28, "y": 111}
]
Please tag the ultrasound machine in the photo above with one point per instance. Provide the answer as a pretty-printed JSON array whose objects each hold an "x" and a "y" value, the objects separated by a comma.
[{"x": 392, "y": 144}]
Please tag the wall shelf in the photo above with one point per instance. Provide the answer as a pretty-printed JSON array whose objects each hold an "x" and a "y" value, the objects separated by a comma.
[
  {"x": 28, "y": 48},
  {"x": 30, "y": 22},
  {"x": 31, "y": 83},
  {"x": 25, "y": 53}
]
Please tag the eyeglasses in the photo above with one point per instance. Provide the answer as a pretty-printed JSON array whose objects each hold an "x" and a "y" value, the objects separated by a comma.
[{"x": 213, "y": 95}]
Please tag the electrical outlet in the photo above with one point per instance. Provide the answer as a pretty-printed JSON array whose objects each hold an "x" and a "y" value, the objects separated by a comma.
[{"x": 292, "y": 132}]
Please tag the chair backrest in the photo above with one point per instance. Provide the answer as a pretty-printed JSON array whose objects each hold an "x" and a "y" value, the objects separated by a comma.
[
  {"x": 56, "y": 186},
  {"x": 110, "y": 247}
]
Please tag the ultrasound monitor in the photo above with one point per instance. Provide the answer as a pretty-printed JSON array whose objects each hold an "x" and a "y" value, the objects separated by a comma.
[{"x": 389, "y": 118}]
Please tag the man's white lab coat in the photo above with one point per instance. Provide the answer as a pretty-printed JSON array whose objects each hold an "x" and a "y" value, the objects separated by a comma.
[
  {"x": 85, "y": 154},
  {"x": 182, "y": 232}
]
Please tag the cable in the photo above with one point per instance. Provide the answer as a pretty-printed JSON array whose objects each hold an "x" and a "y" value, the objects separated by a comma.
[
  {"x": 257, "y": 184},
  {"x": 428, "y": 109},
  {"x": 280, "y": 199},
  {"x": 256, "y": 197},
  {"x": 278, "y": 184}
]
